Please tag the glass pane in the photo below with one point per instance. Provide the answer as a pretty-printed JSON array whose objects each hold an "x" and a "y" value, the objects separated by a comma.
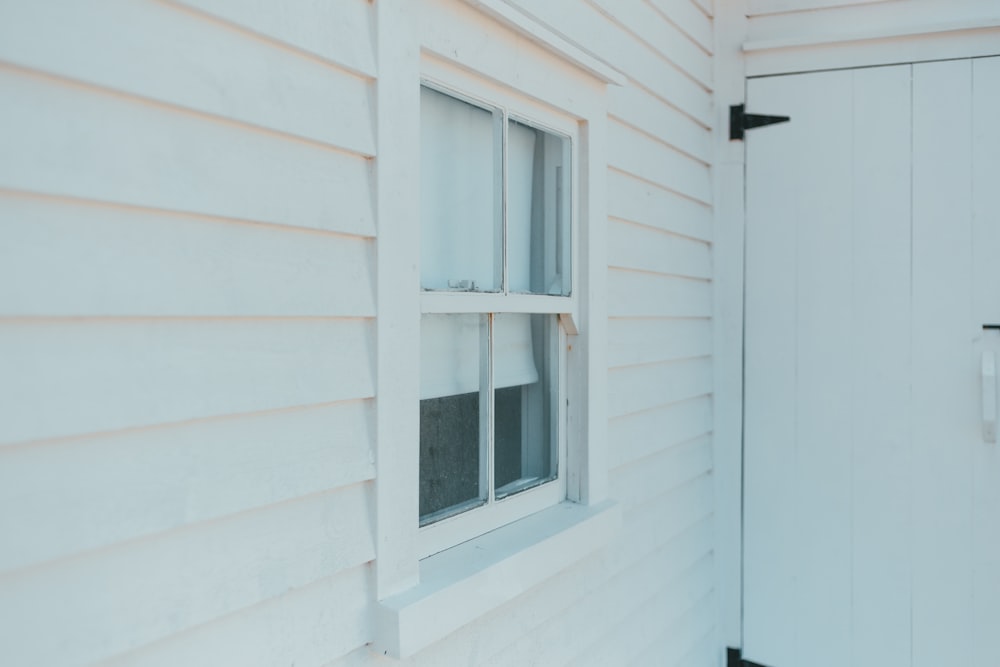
[
  {"x": 452, "y": 410},
  {"x": 460, "y": 222},
  {"x": 538, "y": 208},
  {"x": 525, "y": 428}
]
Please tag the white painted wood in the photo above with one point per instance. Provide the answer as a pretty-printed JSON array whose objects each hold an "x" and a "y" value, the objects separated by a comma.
[
  {"x": 485, "y": 572},
  {"x": 154, "y": 51},
  {"x": 868, "y": 484},
  {"x": 778, "y": 6},
  {"x": 61, "y": 257},
  {"x": 644, "y": 433},
  {"x": 636, "y": 294},
  {"x": 637, "y": 388},
  {"x": 639, "y": 154},
  {"x": 662, "y": 37},
  {"x": 881, "y": 433},
  {"x": 619, "y": 47},
  {"x": 339, "y": 31},
  {"x": 945, "y": 417},
  {"x": 82, "y": 142},
  {"x": 647, "y": 113},
  {"x": 69, "y": 377},
  {"x": 638, "y": 201},
  {"x": 866, "y": 34},
  {"x": 398, "y": 278},
  {"x": 302, "y": 623},
  {"x": 671, "y": 467},
  {"x": 644, "y": 248},
  {"x": 695, "y": 25},
  {"x": 154, "y": 480},
  {"x": 641, "y": 341},
  {"x": 110, "y": 601},
  {"x": 986, "y": 308},
  {"x": 510, "y": 15}
]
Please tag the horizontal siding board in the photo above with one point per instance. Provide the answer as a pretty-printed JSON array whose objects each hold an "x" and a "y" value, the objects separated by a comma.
[
  {"x": 663, "y": 611},
  {"x": 688, "y": 640},
  {"x": 689, "y": 19},
  {"x": 121, "y": 598},
  {"x": 153, "y": 480},
  {"x": 641, "y": 434},
  {"x": 60, "y": 138},
  {"x": 63, "y": 257},
  {"x": 685, "y": 530},
  {"x": 636, "y": 153},
  {"x": 636, "y": 294},
  {"x": 585, "y": 25},
  {"x": 151, "y": 50},
  {"x": 638, "y": 388},
  {"x": 556, "y": 641},
  {"x": 662, "y": 36},
  {"x": 78, "y": 376},
  {"x": 636, "y": 107},
  {"x": 632, "y": 199},
  {"x": 633, "y": 246},
  {"x": 305, "y": 626},
  {"x": 340, "y": 32},
  {"x": 643, "y": 479},
  {"x": 651, "y": 340}
]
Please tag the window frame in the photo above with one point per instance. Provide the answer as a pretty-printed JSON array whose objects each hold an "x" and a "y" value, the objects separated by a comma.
[
  {"x": 496, "y": 512},
  {"x": 422, "y": 600}
]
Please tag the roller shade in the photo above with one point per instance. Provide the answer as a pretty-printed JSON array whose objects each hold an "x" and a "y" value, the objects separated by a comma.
[{"x": 450, "y": 355}]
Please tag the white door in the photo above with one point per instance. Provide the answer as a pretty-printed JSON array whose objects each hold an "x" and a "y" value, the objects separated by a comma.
[{"x": 871, "y": 496}]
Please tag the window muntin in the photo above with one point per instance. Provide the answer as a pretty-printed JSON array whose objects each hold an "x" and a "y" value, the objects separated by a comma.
[{"x": 492, "y": 375}]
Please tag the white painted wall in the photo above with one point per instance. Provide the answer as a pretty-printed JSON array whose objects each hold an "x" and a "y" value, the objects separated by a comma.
[{"x": 188, "y": 318}]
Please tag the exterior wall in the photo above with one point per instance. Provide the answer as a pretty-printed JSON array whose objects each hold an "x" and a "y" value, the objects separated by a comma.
[{"x": 188, "y": 378}]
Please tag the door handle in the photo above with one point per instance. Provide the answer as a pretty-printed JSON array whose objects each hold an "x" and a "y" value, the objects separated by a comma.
[{"x": 989, "y": 375}]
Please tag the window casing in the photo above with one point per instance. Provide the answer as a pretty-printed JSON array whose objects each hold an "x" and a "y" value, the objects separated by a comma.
[{"x": 496, "y": 278}]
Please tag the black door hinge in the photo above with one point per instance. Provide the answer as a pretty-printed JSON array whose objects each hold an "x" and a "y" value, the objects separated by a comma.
[
  {"x": 734, "y": 658},
  {"x": 740, "y": 121}
]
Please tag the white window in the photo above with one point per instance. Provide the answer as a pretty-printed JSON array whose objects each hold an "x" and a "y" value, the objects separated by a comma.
[
  {"x": 491, "y": 405},
  {"x": 496, "y": 259}
]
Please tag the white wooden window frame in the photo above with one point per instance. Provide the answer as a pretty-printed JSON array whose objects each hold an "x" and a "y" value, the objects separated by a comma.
[
  {"x": 489, "y": 50},
  {"x": 466, "y": 87}
]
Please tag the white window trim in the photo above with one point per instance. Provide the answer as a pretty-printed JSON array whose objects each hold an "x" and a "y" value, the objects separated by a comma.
[{"x": 422, "y": 601}]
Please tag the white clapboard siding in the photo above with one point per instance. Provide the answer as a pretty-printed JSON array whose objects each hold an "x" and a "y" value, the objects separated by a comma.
[
  {"x": 755, "y": 7},
  {"x": 157, "y": 51},
  {"x": 339, "y": 31},
  {"x": 633, "y": 246},
  {"x": 307, "y": 625},
  {"x": 639, "y": 341},
  {"x": 682, "y": 518},
  {"x": 640, "y": 434},
  {"x": 661, "y": 36},
  {"x": 71, "y": 377},
  {"x": 641, "y": 155},
  {"x": 666, "y": 611},
  {"x": 669, "y": 467},
  {"x": 637, "y": 388},
  {"x": 617, "y": 45},
  {"x": 93, "y": 144},
  {"x": 66, "y": 257},
  {"x": 647, "y": 113},
  {"x": 153, "y": 480},
  {"x": 706, "y": 6},
  {"x": 637, "y": 294},
  {"x": 688, "y": 18},
  {"x": 697, "y": 628},
  {"x": 146, "y": 590},
  {"x": 657, "y": 206}
]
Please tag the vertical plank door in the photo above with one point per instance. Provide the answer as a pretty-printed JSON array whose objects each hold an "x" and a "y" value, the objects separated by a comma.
[{"x": 871, "y": 500}]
